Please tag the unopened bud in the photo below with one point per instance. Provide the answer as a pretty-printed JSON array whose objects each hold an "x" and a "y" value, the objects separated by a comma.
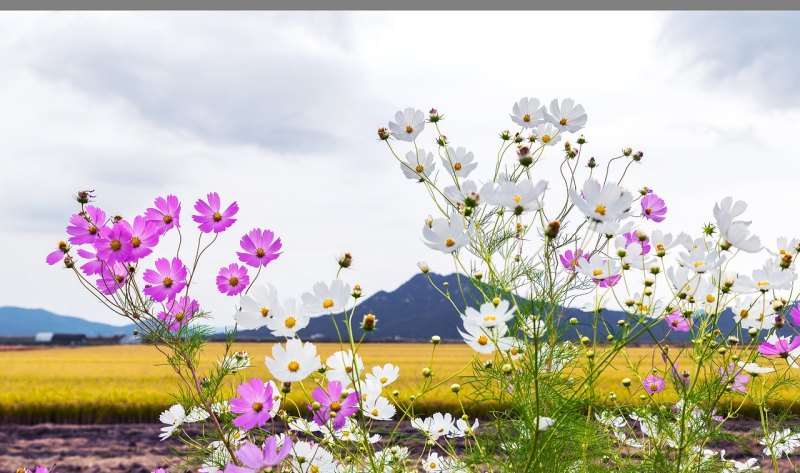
[
  {"x": 455, "y": 388},
  {"x": 423, "y": 266},
  {"x": 441, "y": 140},
  {"x": 507, "y": 368},
  {"x": 356, "y": 291},
  {"x": 286, "y": 387},
  {"x": 779, "y": 322},
  {"x": 637, "y": 156},
  {"x": 585, "y": 340},
  {"x": 592, "y": 163},
  {"x": 69, "y": 262},
  {"x": 84, "y": 197},
  {"x": 315, "y": 405},
  {"x": 620, "y": 323},
  {"x": 626, "y": 382},
  {"x": 433, "y": 116},
  {"x": 627, "y": 151},
  {"x": 436, "y": 339},
  {"x": 383, "y": 134},
  {"x": 573, "y": 321},
  {"x": 345, "y": 260},
  {"x": 505, "y": 135},
  {"x": 478, "y": 275},
  {"x": 368, "y": 324},
  {"x": 552, "y": 229},
  {"x": 427, "y": 372},
  {"x": 581, "y": 140},
  {"x": 752, "y": 332},
  {"x": 590, "y": 354},
  {"x": 524, "y": 156}
]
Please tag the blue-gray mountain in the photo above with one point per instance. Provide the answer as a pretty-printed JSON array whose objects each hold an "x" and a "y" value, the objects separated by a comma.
[{"x": 19, "y": 322}]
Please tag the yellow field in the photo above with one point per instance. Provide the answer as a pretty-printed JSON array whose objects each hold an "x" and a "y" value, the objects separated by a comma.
[{"x": 131, "y": 383}]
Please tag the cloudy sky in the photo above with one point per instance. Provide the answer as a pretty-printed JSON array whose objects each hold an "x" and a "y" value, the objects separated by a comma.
[{"x": 278, "y": 111}]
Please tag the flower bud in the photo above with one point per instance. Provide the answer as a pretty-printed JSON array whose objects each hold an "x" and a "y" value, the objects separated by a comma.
[
  {"x": 642, "y": 397},
  {"x": 637, "y": 156},
  {"x": 436, "y": 339},
  {"x": 84, "y": 197},
  {"x": 315, "y": 406},
  {"x": 733, "y": 340},
  {"x": 455, "y": 388},
  {"x": 433, "y": 116},
  {"x": 620, "y": 323},
  {"x": 779, "y": 322},
  {"x": 585, "y": 340},
  {"x": 507, "y": 368},
  {"x": 477, "y": 275},
  {"x": 524, "y": 156},
  {"x": 505, "y": 135},
  {"x": 345, "y": 260},
  {"x": 356, "y": 291},
  {"x": 753, "y": 332},
  {"x": 655, "y": 268},
  {"x": 722, "y": 350},
  {"x": 581, "y": 140},
  {"x": 552, "y": 229},
  {"x": 518, "y": 138},
  {"x": 573, "y": 321},
  {"x": 427, "y": 373},
  {"x": 610, "y": 337},
  {"x": 286, "y": 387},
  {"x": 627, "y": 151},
  {"x": 412, "y": 398},
  {"x": 441, "y": 140},
  {"x": 612, "y": 396},
  {"x": 590, "y": 354},
  {"x": 368, "y": 324},
  {"x": 383, "y": 134},
  {"x": 396, "y": 393},
  {"x": 135, "y": 332},
  {"x": 69, "y": 262},
  {"x": 626, "y": 382},
  {"x": 592, "y": 163}
]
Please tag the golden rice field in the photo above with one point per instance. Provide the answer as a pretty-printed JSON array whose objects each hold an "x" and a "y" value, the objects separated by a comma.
[{"x": 132, "y": 384}]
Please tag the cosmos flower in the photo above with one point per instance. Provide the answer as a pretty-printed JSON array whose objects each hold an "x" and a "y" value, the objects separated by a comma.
[
  {"x": 253, "y": 404},
  {"x": 93, "y": 265},
  {"x": 378, "y": 408},
  {"x": 178, "y": 312},
  {"x": 166, "y": 214},
  {"x": 765, "y": 279},
  {"x": 114, "y": 244},
  {"x": 547, "y": 134},
  {"x": 260, "y": 248},
  {"x": 463, "y": 161},
  {"x": 327, "y": 299},
  {"x": 653, "y": 384},
  {"x": 211, "y": 217},
  {"x": 310, "y": 457},
  {"x": 144, "y": 237},
  {"x": 112, "y": 277},
  {"x": 232, "y": 280},
  {"x": 167, "y": 280},
  {"x": 653, "y": 208},
  {"x": 570, "y": 260},
  {"x": 735, "y": 232},
  {"x": 287, "y": 319},
  {"x": 780, "y": 443},
  {"x": 257, "y": 460},
  {"x": 293, "y": 363},
  {"x": 490, "y": 315},
  {"x": 256, "y": 307},
  {"x": 85, "y": 227},
  {"x": 407, "y": 124},
  {"x": 383, "y": 375},
  {"x": 486, "y": 341},
  {"x": 438, "y": 425},
  {"x": 446, "y": 235},
  {"x": 604, "y": 272},
  {"x": 528, "y": 112},
  {"x": 752, "y": 312},
  {"x": 676, "y": 321},
  {"x": 566, "y": 116},
  {"x": 753, "y": 369},
  {"x": 519, "y": 196},
  {"x": 418, "y": 165},
  {"x": 700, "y": 261},
  {"x": 463, "y": 197},
  {"x": 344, "y": 366},
  {"x": 58, "y": 255},
  {"x": 734, "y": 377},
  {"x": 602, "y": 203},
  {"x": 333, "y": 405},
  {"x": 779, "y": 346}
]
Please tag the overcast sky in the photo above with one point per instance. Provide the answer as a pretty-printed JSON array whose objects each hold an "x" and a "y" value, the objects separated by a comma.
[{"x": 279, "y": 110}]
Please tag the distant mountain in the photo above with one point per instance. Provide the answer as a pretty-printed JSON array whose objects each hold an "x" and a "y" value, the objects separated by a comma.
[
  {"x": 19, "y": 322},
  {"x": 417, "y": 311}
]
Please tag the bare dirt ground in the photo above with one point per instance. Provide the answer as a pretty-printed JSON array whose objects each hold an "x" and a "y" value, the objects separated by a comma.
[{"x": 135, "y": 448}]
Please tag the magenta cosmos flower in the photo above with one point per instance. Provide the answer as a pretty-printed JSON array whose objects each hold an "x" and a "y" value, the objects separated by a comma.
[
  {"x": 167, "y": 280},
  {"x": 144, "y": 236},
  {"x": 570, "y": 260},
  {"x": 211, "y": 218},
  {"x": 93, "y": 266},
  {"x": 85, "y": 226},
  {"x": 333, "y": 406},
  {"x": 233, "y": 279},
  {"x": 735, "y": 377},
  {"x": 57, "y": 255},
  {"x": 256, "y": 460},
  {"x": 653, "y": 384},
  {"x": 609, "y": 281},
  {"x": 253, "y": 404},
  {"x": 112, "y": 277},
  {"x": 260, "y": 247},
  {"x": 633, "y": 237},
  {"x": 179, "y": 312},
  {"x": 114, "y": 244},
  {"x": 781, "y": 347},
  {"x": 678, "y": 322},
  {"x": 159, "y": 470},
  {"x": 795, "y": 314},
  {"x": 166, "y": 214},
  {"x": 654, "y": 208}
]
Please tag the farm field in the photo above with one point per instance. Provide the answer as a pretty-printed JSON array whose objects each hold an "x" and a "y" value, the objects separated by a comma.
[{"x": 131, "y": 383}]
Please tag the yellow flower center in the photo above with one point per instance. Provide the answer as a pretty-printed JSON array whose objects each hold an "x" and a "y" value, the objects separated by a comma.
[
  {"x": 419, "y": 168},
  {"x": 699, "y": 263},
  {"x": 290, "y": 322},
  {"x": 314, "y": 469},
  {"x": 260, "y": 252},
  {"x": 233, "y": 281},
  {"x": 546, "y": 138},
  {"x": 92, "y": 230},
  {"x": 167, "y": 282},
  {"x": 136, "y": 242},
  {"x": 384, "y": 379},
  {"x": 167, "y": 219},
  {"x": 179, "y": 316},
  {"x": 457, "y": 166},
  {"x": 600, "y": 209},
  {"x": 217, "y": 216},
  {"x": 449, "y": 242},
  {"x": 648, "y": 211},
  {"x": 653, "y": 387},
  {"x": 517, "y": 199},
  {"x": 257, "y": 406},
  {"x": 526, "y": 118},
  {"x": 710, "y": 298},
  {"x": 409, "y": 129},
  {"x": 744, "y": 313},
  {"x": 762, "y": 284},
  {"x": 115, "y": 245},
  {"x": 563, "y": 121},
  {"x": 293, "y": 366},
  {"x": 375, "y": 412},
  {"x": 264, "y": 312},
  {"x": 327, "y": 303},
  {"x": 489, "y": 318},
  {"x": 597, "y": 272},
  {"x": 483, "y": 340},
  {"x": 336, "y": 407}
]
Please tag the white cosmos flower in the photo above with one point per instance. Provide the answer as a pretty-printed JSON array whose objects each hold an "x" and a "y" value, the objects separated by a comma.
[
  {"x": 462, "y": 428},
  {"x": 446, "y": 235},
  {"x": 327, "y": 299},
  {"x": 485, "y": 340},
  {"x": 256, "y": 307},
  {"x": 310, "y": 457},
  {"x": 518, "y": 196},
  {"x": 287, "y": 319},
  {"x": 769, "y": 278},
  {"x": 615, "y": 422},
  {"x": 602, "y": 203},
  {"x": 490, "y": 315},
  {"x": 378, "y": 408},
  {"x": 418, "y": 166},
  {"x": 612, "y": 229},
  {"x": 777, "y": 444},
  {"x": 302, "y": 425},
  {"x": 528, "y": 112},
  {"x": 598, "y": 267},
  {"x": 438, "y": 425},
  {"x": 566, "y": 116},
  {"x": 753, "y": 313},
  {"x": 463, "y": 161},
  {"x": 749, "y": 466},
  {"x": 174, "y": 417},
  {"x": 384, "y": 375},
  {"x": 407, "y": 124},
  {"x": 786, "y": 247},
  {"x": 754, "y": 369},
  {"x": 236, "y": 362},
  {"x": 534, "y": 327},
  {"x": 219, "y": 457},
  {"x": 700, "y": 261},
  {"x": 293, "y": 363},
  {"x": 735, "y": 232},
  {"x": 341, "y": 366},
  {"x": 662, "y": 242},
  {"x": 466, "y": 196},
  {"x": 544, "y": 423},
  {"x": 197, "y": 414},
  {"x": 547, "y": 134},
  {"x": 351, "y": 432}
]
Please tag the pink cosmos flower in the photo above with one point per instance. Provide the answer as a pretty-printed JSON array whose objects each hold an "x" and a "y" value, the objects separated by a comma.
[
  {"x": 112, "y": 277},
  {"x": 795, "y": 314},
  {"x": 114, "y": 244},
  {"x": 93, "y": 266},
  {"x": 333, "y": 406},
  {"x": 781, "y": 348},
  {"x": 159, "y": 470},
  {"x": 570, "y": 260},
  {"x": 609, "y": 281},
  {"x": 166, "y": 215},
  {"x": 144, "y": 236},
  {"x": 167, "y": 280},
  {"x": 39, "y": 469},
  {"x": 211, "y": 218},
  {"x": 57, "y": 255},
  {"x": 678, "y": 322},
  {"x": 735, "y": 377},
  {"x": 260, "y": 248},
  {"x": 654, "y": 208},
  {"x": 653, "y": 384},
  {"x": 633, "y": 237},
  {"x": 253, "y": 404},
  {"x": 256, "y": 460},
  {"x": 232, "y": 280},
  {"x": 682, "y": 377},
  {"x": 83, "y": 230},
  {"x": 179, "y": 312}
]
